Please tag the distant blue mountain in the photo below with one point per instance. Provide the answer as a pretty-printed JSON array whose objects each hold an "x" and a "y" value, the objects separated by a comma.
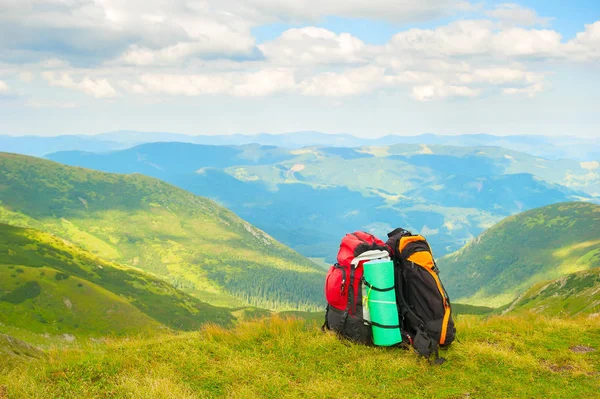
[
  {"x": 542, "y": 146},
  {"x": 40, "y": 146}
]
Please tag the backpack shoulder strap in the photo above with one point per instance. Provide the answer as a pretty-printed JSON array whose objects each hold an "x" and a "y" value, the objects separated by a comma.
[{"x": 325, "y": 325}]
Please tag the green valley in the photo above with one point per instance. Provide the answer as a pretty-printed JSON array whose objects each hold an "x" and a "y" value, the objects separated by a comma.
[
  {"x": 140, "y": 222},
  {"x": 522, "y": 250}
]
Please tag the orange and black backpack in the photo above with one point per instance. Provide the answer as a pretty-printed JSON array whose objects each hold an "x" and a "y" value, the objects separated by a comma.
[{"x": 423, "y": 304}]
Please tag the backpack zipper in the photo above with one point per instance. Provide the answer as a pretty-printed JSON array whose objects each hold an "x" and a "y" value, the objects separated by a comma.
[{"x": 337, "y": 266}]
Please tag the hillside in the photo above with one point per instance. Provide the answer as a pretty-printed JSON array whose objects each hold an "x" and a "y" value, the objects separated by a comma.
[
  {"x": 139, "y": 221},
  {"x": 310, "y": 197},
  {"x": 498, "y": 357},
  {"x": 13, "y": 350},
  {"x": 49, "y": 286},
  {"x": 522, "y": 250},
  {"x": 572, "y": 295}
]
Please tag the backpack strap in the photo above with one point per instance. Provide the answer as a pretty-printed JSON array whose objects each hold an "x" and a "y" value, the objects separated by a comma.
[
  {"x": 351, "y": 294},
  {"x": 398, "y": 232},
  {"x": 325, "y": 325}
]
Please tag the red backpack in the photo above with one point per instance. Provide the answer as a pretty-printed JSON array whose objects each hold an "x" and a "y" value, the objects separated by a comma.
[{"x": 343, "y": 287}]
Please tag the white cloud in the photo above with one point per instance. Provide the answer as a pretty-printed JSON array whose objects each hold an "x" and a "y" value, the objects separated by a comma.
[
  {"x": 472, "y": 38},
  {"x": 349, "y": 83},
  {"x": 54, "y": 63},
  {"x": 99, "y": 88},
  {"x": 148, "y": 32},
  {"x": 50, "y": 104},
  {"x": 500, "y": 75},
  {"x": 586, "y": 45},
  {"x": 205, "y": 47},
  {"x": 455, "y": 39},
  {"x": 26, "y": 76},
  {"x": 104, "y": 29},
  {"x": 396, "y": 11},
  {"x": 515, "y": 14},
  {"x": 521, "y": 42},
  {"x": 313, "y": 46},
  {"x": 241, "y": 84},
  {"x": 441, "y": 90},
  {"x": 529, "y": 91},
  {"x": 3, "y": 87}
]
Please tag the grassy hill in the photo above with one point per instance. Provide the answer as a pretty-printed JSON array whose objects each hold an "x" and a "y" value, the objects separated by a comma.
[
  {"x": 50, "y": 286},
  {"x": 522, "y": 250},
  {"x": 572, "y": 295},
  {"x": 518, "y": 357},
  {"x": 14, "y": 350},
  {"x": 139, "y": 221}
]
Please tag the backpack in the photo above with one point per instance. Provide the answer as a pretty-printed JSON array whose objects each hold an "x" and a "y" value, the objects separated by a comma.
[
  {"x": 344, "y": 287},
  {"x": 423, "y": 303}
]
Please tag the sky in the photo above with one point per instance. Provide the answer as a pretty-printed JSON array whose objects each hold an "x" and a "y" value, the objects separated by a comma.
[{"x": 367, "y": 68}]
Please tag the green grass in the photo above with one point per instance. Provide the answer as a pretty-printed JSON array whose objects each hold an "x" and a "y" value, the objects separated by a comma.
[
  {"x": 50, "y": 286},
  {"x": 571, "y": 295},
  {"x": 189, "y": 241},
  {"x": 517, "y": 357},
  {"x": 522, "y": 250}
]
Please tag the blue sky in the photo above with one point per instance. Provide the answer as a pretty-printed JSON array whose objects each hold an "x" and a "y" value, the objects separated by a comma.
[{"x": 368, "y": 68}]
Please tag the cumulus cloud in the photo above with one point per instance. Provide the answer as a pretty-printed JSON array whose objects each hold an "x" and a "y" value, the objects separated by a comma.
[
  {"x": 99, "y": 30},
  {"x": 515, "y": 14},
  {"x": 397, "y": 11},
  {"x": 50, "y": 104},
  {"x": 312, "y": 45},
  {"x": 352, "y": 82},
  {"x": 145, "y": 32},
  {"x": 441, "y": 90},
  {"x": 241, "y": 84},
  {"x": 105, "y": 48},
  {"x": 3, "y": 87},
  {"x": 481, "y": 37},
  {"x": 99, "y": 88},
  {"x": 529, "y": 91},
  {"x": 457, "y": 38},
  {"x": 521, "y": 42},
  {"x": 586, "y": 45}
]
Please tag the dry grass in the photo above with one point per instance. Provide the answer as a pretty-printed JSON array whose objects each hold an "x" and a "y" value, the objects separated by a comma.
[{"x": 501, "y": 357}]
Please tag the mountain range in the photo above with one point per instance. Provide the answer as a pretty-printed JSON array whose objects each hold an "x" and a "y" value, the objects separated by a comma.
[
  {"x": 106, "y": 270},
  {"x": 127, "y": 241},
  {"x": 308, "y": 198},
  {"x": 569, "y": 147}
]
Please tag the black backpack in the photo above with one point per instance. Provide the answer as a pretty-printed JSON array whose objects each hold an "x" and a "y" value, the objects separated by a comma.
[{"x": 423, "y": 304}]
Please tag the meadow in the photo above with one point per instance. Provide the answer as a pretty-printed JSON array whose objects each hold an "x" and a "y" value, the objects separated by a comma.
[{"x": 529, "y": 356}]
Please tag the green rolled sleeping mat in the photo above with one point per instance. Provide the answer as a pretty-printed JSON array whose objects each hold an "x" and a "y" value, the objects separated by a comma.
[{"x": 381, "y": 302}]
